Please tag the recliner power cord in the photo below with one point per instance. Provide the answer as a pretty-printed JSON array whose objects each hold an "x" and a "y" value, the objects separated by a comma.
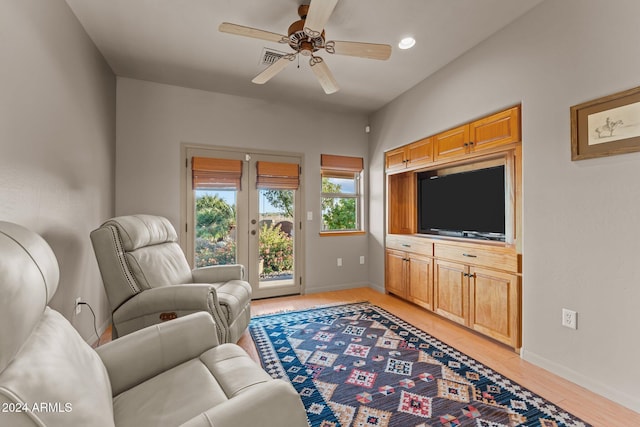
[{"x": 95, "y": 329}]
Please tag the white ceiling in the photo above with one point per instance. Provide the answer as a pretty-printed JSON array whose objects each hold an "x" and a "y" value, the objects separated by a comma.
[{"x": 177, "y": 42}]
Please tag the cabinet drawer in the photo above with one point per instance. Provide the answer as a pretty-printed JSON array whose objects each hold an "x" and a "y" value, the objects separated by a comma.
[
  {"x": 498, "y": 258},
  {"x": 410, "y": 244}
]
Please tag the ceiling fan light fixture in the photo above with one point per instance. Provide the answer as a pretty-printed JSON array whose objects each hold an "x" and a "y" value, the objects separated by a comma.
[{"x": 407, "y": 43}]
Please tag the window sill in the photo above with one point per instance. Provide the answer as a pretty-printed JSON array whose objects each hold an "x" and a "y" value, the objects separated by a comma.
[{"x": 342, "y": 233}]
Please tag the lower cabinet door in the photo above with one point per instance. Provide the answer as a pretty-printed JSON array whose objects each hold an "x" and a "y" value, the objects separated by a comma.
[
  {"x": 395, "y": 281},
  {"x": 494, "y": 305},
  {"x": 451, "y": 296},
  {"x": 420, "y": 281}
]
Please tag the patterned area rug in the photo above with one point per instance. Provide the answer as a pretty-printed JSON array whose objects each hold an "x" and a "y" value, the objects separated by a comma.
[{"x": 359, "y": 365}]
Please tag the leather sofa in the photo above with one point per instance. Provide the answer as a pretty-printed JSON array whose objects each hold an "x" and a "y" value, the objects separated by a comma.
[
  {"x": 148, "y": 280},
  {"x": 170, "y": 374}
]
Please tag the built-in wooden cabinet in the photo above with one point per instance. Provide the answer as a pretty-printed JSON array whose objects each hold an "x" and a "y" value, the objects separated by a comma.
[
  {"x": 452, "y": 143},
  {"x": 495, "y": 130},
  {"x": 402, "y": 197},
  {"x": 494, "y": 304},
  {"x": 487, "y": 133},
  {"x": 413, "y": 155},
  {"x": 478, "y": 286},
  {"x": 410, "y": 276},
  {"x": 396, "y": 159},
  {"x": 474, "y": 283},
  {"x": 395, "y": 273},
  {"x": 451, "y": 291}
]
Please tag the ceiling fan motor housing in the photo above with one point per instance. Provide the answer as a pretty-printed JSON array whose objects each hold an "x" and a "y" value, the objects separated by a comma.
[{"x": 299, "y": 40}]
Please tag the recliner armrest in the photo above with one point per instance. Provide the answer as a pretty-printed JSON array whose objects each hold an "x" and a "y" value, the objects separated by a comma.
[
  {"x": 145, "y": 308},
  {"x": 218, "y": 273},
  {"x": 196, "y": 297},
  {"x": 270, "y": 404},
  {"x": 134, "y": 358}
]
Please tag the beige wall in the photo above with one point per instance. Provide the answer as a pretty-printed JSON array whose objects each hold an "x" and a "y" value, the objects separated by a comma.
[
  {"x": 57, "y": 143},
  {"x": 581, "y": 230},
  {"x": 154, "y": 119}
]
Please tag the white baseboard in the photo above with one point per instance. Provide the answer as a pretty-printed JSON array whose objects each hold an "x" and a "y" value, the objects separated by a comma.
[
  {"x": 631, "y": 402},
  {"x": 377, "y": 288}
]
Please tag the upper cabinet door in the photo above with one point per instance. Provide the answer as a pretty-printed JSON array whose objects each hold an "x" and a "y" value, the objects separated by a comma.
[
  {"x": 497, "y": 129},
  {"x": 396, "y": 159},
  {"x": 452, "y": 143},
  {"x": 420, "y": 152}
]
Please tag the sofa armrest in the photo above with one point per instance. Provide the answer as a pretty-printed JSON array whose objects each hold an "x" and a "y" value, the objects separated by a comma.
[
  {"x": 145, "y": 308},
  {"x": 133, "y": 359},
  {"x": 271, "y": 404},
  {"x": 218, "y": 273}
]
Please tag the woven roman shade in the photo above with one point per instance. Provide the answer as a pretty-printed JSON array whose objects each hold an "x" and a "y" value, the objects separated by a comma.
[
  {"x": 278, "y": 176},
  {"x": 210, "y": 173},
  {"x": 337, "y": 166}
]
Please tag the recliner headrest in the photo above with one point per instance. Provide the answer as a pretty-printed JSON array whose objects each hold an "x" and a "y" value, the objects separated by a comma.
[
  {"x": 29, "y": 275},
  {"x": 137, "y": 231}
]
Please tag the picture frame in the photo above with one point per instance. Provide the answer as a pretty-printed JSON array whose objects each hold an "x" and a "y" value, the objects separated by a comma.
[{"x": 606, "y": 126}]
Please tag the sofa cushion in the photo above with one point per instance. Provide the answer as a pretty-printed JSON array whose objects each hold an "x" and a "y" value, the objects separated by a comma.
[{"x": 174, "y": 396}]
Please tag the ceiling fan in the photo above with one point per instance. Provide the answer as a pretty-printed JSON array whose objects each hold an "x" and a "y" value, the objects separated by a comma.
[{"x": 306, "y": 36}]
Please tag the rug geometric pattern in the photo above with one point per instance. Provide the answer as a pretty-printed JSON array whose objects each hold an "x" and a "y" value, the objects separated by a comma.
[{"x": 359, "y": 365}]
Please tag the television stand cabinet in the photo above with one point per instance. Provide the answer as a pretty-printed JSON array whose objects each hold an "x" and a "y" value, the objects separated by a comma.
[{"x": 473, "y": 282}]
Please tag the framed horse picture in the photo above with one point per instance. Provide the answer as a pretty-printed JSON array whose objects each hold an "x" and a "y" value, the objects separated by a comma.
[{"x": 606, "y": 126}]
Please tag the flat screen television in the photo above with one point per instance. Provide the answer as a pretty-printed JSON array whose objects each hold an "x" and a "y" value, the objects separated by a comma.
[{"x": 465, "y": 204}]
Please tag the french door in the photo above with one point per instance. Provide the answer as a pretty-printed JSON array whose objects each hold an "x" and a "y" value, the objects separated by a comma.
[{"x": 244, "y": 208}]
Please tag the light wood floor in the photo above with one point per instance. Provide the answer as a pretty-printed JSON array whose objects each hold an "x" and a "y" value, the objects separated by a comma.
[{"x": 587, "y": 405}]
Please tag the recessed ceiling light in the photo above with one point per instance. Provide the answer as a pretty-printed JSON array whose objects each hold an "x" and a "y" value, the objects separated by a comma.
[{"x": 406, "y": 43}]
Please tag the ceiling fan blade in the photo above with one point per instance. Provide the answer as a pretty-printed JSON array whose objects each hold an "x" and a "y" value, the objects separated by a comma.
[
  {"x": 361, "y": 50},
  {"x": 318, "y": 15},
  {"x": 273, "y": 69},
  {"x": 324, "y": 75},
  {"x": 240, "y": 30}
]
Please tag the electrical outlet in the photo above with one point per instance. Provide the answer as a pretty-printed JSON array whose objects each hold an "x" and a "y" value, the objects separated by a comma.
[
  {"x": 361, "y": 259},
  {"x": 569, "y": 318},
  {"x": 339, "y": 262},
  {"x": 78, "y": 305}
]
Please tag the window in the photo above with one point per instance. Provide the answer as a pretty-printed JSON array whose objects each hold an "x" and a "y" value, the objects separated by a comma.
[
  {"x": 215, "y": 183},
  {"x": 341, "y": 194}
]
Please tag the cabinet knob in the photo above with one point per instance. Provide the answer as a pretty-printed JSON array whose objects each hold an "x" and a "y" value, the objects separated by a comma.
[
  {"x": 470, "y": 255},
  {"x": 471, "y": 143},
  {"x": 465, "y": 144},
  {"x": 406, "y": 245}
]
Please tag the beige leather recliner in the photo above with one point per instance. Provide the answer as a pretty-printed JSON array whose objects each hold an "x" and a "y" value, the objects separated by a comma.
[
  {"x": 171, "y": 374},
  {"x": 148, "y": 280}
]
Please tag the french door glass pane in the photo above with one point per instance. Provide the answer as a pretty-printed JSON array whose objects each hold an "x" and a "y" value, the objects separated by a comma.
[
  {"x": 216, "y": 219},
  {"x": 276, "y": 237}
]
